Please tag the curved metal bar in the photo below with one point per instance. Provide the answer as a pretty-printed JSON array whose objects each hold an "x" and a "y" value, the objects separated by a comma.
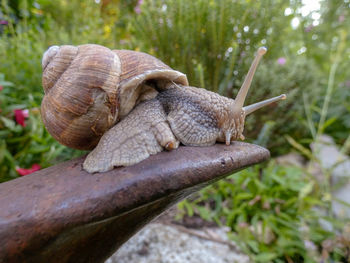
[{"x": 63, "y": 214}]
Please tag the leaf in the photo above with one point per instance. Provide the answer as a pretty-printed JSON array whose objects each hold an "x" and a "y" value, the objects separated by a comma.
[
  {"x": 244, "y": 195},
  {"x": 308, "y": 115},
  {"x": 341, "y": 202},
  {"x": 265, "y": 134},
  {"x": 306, "y": 190},
  {"x": 6, "y": 84},
  {"x": 2, "y": 150},
  {"x": 265, "y": 257},
  {"x": 10, "y": 124},
  {"x": 189, "y": 208},
  {"x": 39, "y": 149},
  {"x": 280, "y": 180},
  {"x": 328, "y": 123},
  {"x": 299, "y": 147},
  {"x": 204, "y": 213},
  {"x": 4, "y": 133},
  {"x": 254, "y": 245}
]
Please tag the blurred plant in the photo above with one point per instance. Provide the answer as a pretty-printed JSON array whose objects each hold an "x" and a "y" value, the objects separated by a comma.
[
  {"x": 47, "y": 23},
  {"x": 23, "y": 43},
  {"x": 31, "y": 27},
  {"x": 282, "y": 214},
  {"x": 214, "y": 42},
  {"x": 24, "y": 142},
  {"x": 296, "y": 75},
  {"x": 271, "y": 213},
  {"x": 328, "y": 44},
  {"x": 209, "y": 38},
  {"x": 318, "y": 126}
]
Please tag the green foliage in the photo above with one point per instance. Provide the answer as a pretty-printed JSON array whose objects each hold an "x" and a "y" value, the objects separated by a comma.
[
  {"x": 287, "y": 117},
  {"x": 22, "y": 46},
  {"x": 279, "y": 214},
  {"x": 28, "y": 34},
  {"x": 322, "y": 43},
  {"x": 32, "y": 26},
  {"x": 270, "y": 211},
  {"x": 24, "y": 146},
  {"x": 208, "y": 39}
]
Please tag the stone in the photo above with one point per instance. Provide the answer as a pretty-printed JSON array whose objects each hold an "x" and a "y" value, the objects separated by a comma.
[
  {"x": 169, "y": 243},
  {"x": 338, "y": 165},
  {"x": 292, "y": 158}
]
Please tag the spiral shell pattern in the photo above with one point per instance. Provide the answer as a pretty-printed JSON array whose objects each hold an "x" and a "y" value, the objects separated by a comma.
[{"x": 88, "y": 88}]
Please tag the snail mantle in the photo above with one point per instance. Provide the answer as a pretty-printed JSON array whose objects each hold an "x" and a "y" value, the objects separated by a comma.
[{"x": 64, "y": 214}]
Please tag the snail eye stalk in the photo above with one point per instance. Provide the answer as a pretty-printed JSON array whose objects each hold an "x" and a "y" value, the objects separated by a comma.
[
  {"x": 251, "y": 108},
  {"x": 242, "y": 93}
]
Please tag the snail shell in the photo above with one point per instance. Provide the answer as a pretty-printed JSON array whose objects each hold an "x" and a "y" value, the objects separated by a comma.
[{"x": 89, "y": 88}]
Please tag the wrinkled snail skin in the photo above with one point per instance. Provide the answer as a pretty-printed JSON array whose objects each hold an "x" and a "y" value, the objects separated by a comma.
[
  {"x": 183, "y": 114},
  {"x": 128, "y": 105}
]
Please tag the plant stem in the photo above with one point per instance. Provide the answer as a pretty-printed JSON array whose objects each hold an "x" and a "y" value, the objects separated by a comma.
[
  {"x": 330, "y": 85},
  {"x": 346, "y": 146}
]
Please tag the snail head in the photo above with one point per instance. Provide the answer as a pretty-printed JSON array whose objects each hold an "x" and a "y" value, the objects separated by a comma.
[{"x": 233, "y": 128}]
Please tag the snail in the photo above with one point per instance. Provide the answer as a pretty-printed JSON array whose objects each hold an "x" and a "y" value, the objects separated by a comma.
[{"x": 126, "y": 105}]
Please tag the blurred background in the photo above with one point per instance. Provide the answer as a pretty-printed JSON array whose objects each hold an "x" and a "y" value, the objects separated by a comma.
[{"x": 293, "y": 208}]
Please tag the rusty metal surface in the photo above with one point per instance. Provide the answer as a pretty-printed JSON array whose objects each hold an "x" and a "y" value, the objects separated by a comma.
[{"x": 63, "y": 214}]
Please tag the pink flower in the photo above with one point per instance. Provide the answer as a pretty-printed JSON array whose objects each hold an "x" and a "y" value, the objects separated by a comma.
[
  {"x": 23, "y": 171},
  {"x": 20, "y": 116},
  {"x": 137, "y": 8},
  {"x": 341, "y": 18},
  {"x": 1, "y": 88},
  {"x": 4, "y": 22},
  {"x": 281, "y": 61},
  {"x": 308, "y": 28}
]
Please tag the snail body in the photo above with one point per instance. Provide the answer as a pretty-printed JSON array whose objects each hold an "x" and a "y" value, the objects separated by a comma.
[{"x": 128, "y": 105}]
